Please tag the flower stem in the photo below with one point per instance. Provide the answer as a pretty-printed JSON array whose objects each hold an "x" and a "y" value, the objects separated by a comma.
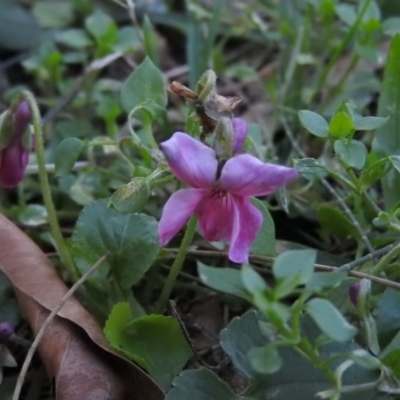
[
  {"x": 385, "y": 261},
  {"x": 62, "y": 249},
  {"x": 177, "y": 265}
]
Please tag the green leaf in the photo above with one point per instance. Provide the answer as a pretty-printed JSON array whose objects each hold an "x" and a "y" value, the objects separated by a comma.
[
  {"x": 145, "y": 85},
  {"x": 387, "y": 138},
  {"x": 298, "y": 263},
  {"x": 265, "y": 360},
  {"x": 364, "y": 359},
  {"x": 75, "y": 38},
  {"x": 200, "y": 384},
  {"x": 299, "y": 379},
  {"x": 131, "y": 197},
  {"x": 320, "y": 281},
  {"x": 369, "y": 123},
  {"x": 252, "y": 280},
  {"x": 395, "y": 161},
  {"x": 387, "y": 315},
  {"x": 225, "y": 280},
  {"x": 239, "y": 337},
  {"x": 99, "y": 24},
  {"x": 53, "y": 15},
  {"x": 66, "y": 155},
  {"x": 391, "y": 26},
  {"x": 155, "y": 342},
  {"x": 341, "y": 125},
  {"x": 330, "y": 320},
  {"x": 12, "y": 18},
  {"x": 264, "y": 243},
  {"x": 33, "y": 215},
  {"x": 310, "y": 169},
  {"x": 335, "y": 222},
  {"x": 392, "y": 360},
  {"x": 353, "y": 153},
  {"x": 373, "y": 173},
  {"x": 131, "y": 239},
  {"x": 314, "y": 123}
]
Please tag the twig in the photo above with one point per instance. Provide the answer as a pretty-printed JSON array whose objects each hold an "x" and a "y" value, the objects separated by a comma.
[
  {"x": 48, "y": 320},
  {"x": 366, "y": 258},
  {"x": 332, "y": 191},
  {"x": 185, "y": 333},
  {"x": 319, "y": 267}
]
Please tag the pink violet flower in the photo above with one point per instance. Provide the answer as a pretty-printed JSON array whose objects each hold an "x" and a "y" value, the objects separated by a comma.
[
  {"x": 15, "y": 156},
  {"x": 221, "y": 201}
]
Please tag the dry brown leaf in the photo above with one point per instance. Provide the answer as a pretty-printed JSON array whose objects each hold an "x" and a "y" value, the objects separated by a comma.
[{"x": 73, "y": 348}]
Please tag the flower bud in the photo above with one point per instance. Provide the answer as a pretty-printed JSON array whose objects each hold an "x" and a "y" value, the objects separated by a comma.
[
  {"x": 132, "y": 197},
  {"x": 359, "y": 294},
  {"x": 206, "y": 84},
  {"x": 14, "y": 145},
  {"x": 6, "y": 331}
]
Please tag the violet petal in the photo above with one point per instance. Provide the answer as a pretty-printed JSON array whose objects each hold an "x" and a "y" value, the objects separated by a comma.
[
  {"x": 177, "y": 210},
  {"x": 190, "y": 160},
  {"x": 245, "y": 175},
  {"x": 249, "y": 223},
  {"x": 240, "y": 131}
]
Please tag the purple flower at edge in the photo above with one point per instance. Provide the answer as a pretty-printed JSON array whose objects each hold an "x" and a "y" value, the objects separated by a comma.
[
  {"x": 221, "y": 203},
  {"x": 14, "y": 157},
  {"x": 6, "y": 331}
]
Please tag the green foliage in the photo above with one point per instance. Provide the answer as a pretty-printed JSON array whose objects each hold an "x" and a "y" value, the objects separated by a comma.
[
  {"x": 298, "y": 341},
  {"x": 341, "y": 125},
  {"x": 131, "y": 239},
  {"x": 329, "y": 320},
  {"x": 67, "y": 153},
  {"x": 264, "y": 243},
  {"x": 154, "y": 342},
  {"x": 242, "y": 334},
  {"x": 225, "y": 280},
  {"x": 310, "y": 169},
  {"x": 299, "y": 264},
  {"x": 336, "y": 222},
  {"x": 314, "y": 123},
  {"x": 352, "y": 153},
  {"x": 200, "y": 384},
  {"x": 144, "y": 87},
  {"x": 12, "y": 18},
  {"x": 387, "y": 142}
]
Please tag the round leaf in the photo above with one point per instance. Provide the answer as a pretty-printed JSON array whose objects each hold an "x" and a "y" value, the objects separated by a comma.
[
  {"x": 353, "y": 154},
  {"x": 155, "y": 342},
  {"x": 295, "y": 263},
  {"x": 330, "y": 320},
  {"x": 225, "y": 280},
  {"x": 314, "y": 123},
  {"x": 131, "y": 239},
  {"x": 265, "y": 360}
]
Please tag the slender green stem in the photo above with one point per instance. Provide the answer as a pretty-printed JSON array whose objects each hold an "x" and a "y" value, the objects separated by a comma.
[
  {"x": 342, "y": 47},
  {"x": 362, "y": 192},
  {"x": 62, "y": 249},
  {"x": 305, "y": 347},
  {"x": 177, "y": 265},
  {"x": 394, "y": 227},
  {"x": 385, "y": 261}
]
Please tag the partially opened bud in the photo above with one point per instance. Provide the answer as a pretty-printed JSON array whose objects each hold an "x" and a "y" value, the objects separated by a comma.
[
  {"x": 132, "y": 197},
  {"x": 15, "y": 143},
  {"x": 359, "y": 294}
]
